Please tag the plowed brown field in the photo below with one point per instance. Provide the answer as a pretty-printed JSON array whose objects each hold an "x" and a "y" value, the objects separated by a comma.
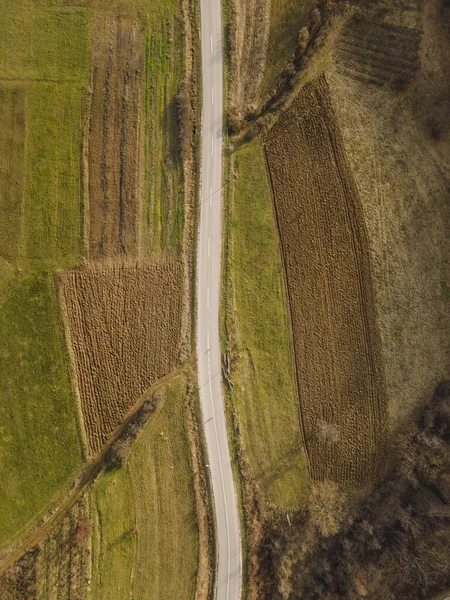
[
  {"x": 328, "y": 275},
  {"x": 125, "y": 329},
  {"x": 113, "y": 141}
]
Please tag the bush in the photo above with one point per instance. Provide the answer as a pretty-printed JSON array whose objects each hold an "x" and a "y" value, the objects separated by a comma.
[{"x": 393, "y": 544}]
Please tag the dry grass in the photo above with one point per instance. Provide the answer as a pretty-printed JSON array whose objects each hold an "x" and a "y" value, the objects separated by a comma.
[
  {"x": 377, "y": 52},
  {"x": 398, "y": 147},
  {"x": 125, "y": 330},
  {"x": 336, "y": 340},
  {"x": 249, "y": 36},
  {"x": 113, "y": 145}
]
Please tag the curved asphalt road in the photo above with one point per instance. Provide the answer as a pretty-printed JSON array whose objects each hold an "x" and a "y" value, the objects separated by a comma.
[{"x": 229, "y": 567}]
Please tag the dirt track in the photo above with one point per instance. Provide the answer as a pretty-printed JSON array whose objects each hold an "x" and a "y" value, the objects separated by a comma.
[
  {"x": 328, "y": 274},
  {"x": 125, "y": 329}
]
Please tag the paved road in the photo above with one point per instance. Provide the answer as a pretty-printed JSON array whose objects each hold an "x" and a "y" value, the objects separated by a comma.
[{"x": 229, "y": 566}]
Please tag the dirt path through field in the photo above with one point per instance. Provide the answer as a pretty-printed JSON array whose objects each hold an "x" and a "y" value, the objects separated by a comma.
[{"x": 328, "y": 274}]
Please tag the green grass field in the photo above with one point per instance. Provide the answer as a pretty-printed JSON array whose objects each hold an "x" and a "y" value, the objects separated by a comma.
[
  {"x": 51, "y": 229},
  {"x": 164, "y": 206},
  {"x": 145, "y": 537},
  {"x": 287, "y": 18},
  {"x": 44, "y": 44},
  {"x": 39, "y": 438},
  {"x": 264, "y": 385},
  {"x": 44, "y": 63}
]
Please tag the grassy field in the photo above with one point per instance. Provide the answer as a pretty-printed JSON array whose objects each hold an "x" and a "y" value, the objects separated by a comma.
[
  {"x": 44, "y": 44},
  {"x": 163, "y": 209},
  {"x": 287, "y": 18},
  {"x": 264, "y": 390},
  {"x": 145, "y": 537},
  {"x": 43, "y": 80},
  {"x": 51, "y": 230},
  {"x": 39, "y": 441}
]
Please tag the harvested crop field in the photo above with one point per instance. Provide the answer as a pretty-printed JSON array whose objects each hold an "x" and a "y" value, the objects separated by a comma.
[
  {"x": 125, "y": 324},
  {"x": 328, "y": 274},
  {"x": 378, "y": 53},
  {"x": 114, "y": 137}
]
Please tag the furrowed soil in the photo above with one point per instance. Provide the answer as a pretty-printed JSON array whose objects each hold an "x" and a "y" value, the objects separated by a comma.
[
  {"x": 145, "y": 535},
  {"x": 125, "y": 331},
  {"x": 328, "y": 274},
  {"x": 113, "y": 144}
]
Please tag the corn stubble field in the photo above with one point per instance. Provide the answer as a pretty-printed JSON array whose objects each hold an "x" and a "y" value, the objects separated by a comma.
[{"x": 125, "y": 331}]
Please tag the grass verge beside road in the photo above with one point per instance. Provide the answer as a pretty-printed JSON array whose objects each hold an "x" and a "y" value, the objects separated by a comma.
[
  {"x": 264, "y": 392},
  {"x": 144, "y": 513}
]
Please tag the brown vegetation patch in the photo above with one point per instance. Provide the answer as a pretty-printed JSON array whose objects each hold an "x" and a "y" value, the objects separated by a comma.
[
  {"x": 328, "y": 274},
  {"x": 398, "y": 145},
  {"x": 12, "y": 167},
  {"x": 58, "y": 568},
  {"x": 378, "y": 53},
  {"x": 249, "y": 36},
  {"x": 393, "y": 544},
  {"x": 19, "y": 581},
  {"x": 114, "y": 134},
  {"x": 64, "y": 562},
  {"x": 125, "y": 329}
]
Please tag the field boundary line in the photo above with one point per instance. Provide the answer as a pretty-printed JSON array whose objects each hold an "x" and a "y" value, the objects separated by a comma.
[{"x": 81, "y": 425}]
